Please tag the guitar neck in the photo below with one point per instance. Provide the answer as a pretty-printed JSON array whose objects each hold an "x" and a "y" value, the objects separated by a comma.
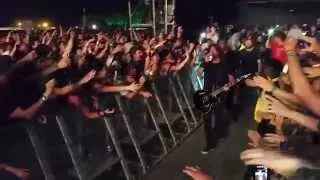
[{"x": 221, "y": 90}]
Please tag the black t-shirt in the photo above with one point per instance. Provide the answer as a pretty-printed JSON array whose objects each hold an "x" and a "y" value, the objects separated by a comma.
[
  {"x": 215, "y": 74},
  {"x": 18, "y": 91},
  {"x": 64, "y": 76},
  {"x": 11, "y": 98},
  {"x": 135, "y": 69},
  {"x": 71, "y": 75},
  {"x": 7, "y": 103},
  {"x": 249, "y": 61},
  {"x": 5, "y": 63},
  {"x": 232, "y": 59},
  {"x": 28, "y": 86}
]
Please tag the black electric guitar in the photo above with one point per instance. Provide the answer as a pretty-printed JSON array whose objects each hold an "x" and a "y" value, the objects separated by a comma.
[{"x": 205, "y": 101}]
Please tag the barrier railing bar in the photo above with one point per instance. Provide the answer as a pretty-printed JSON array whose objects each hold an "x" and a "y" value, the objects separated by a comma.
[
  {"x": 186, "y": 100},
  {"x": 169, "y": 99},
  {"x": 164, "y": 115},
  {"x": 156, "y": 126},
  {"x": 41, "y": 156},
  {"x": 175, "y": 94},
  {"x": 117, "y": 147},
  {"x": 132, "y": 136},
  {"x": 68, "y": 143}
]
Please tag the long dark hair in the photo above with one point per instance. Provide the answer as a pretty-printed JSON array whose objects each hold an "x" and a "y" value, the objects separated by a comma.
[{"x": 218, "y": 49}]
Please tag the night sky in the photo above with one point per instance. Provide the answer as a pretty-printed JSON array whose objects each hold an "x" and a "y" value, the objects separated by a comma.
[
  {"x": 65, "y": 12},
  {"x": 61, "y": 11},
  {"x": 192, "y": 14}
]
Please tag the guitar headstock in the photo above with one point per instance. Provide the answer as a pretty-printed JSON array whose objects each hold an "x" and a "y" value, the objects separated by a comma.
[{"x": 245, "y": 76}]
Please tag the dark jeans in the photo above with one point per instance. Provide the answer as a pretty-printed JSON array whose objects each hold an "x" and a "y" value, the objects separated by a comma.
[
  {"x": 215, "y": 123},
  {"x": 233, "y": 102}
]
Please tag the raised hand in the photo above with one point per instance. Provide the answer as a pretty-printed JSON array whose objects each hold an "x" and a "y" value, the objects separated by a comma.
[
  {"x": 275, "y": 106},
  {"x": 146, "y": 94},
  {"x": 134, "y": 87},
  {"x": 273, "y": 140},
  {"x": 263, "y": 83},
  {"x": 191, "y": 47},
  {"x": 54, "y": 33},
  {"x": 49, "y": 87},
  {"x": 142, "y": 80},
  {"x": 152, "y": 41},
  {"x": 117, "y": 49},
  {"x": 290, "y": 44},
  {"x": 100, "y": 36},
  {"x": 91, "y": 40},
  {"x": 180, "y": 29},
  {"x": 63, "y": 63},
  {"x": 69, "y": 30},
  {"x": 22, "y": 173},
  {"x": 208, "y": 58},
  {"x": 284, "y": 78},
  {"x": 88, "y": 77},
  {"x": 17, "y": 39},
  {"x": 60, "y": 29},
  {"x": 280, "y": 163},
  {"x": 255, "y": 138},
  {"x": 161, "y": 43},
  {"x": 72, "y": 34},
  {"x": 10, "y": 33},
  {"x": 196, "y": 173}
]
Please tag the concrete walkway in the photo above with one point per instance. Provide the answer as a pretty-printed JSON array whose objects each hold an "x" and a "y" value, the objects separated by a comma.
[{"x": 223, "y": 162}]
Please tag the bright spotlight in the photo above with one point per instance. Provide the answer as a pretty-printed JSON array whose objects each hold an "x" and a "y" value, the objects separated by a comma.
[
  {"x": 19, "y": 24},
  {"x": 45, "y": 24},
  {"x": 94, "y": 27}
]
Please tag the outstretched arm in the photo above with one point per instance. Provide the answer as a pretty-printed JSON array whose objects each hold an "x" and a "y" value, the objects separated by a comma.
[{"x": 300, "y": 84}]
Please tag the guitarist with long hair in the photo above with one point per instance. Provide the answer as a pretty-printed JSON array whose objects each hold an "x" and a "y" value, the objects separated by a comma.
[{"x": 216, "y": 75}]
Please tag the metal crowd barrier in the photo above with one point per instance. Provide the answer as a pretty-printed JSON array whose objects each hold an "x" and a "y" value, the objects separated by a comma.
[{"x": 125, "y": 145}]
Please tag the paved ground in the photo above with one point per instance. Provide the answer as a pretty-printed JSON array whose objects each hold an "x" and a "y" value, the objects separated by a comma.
[{"x": 223, "y": 162}]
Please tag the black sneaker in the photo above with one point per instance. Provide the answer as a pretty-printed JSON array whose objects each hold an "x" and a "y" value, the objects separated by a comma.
[{"x": 205, "y": 151}]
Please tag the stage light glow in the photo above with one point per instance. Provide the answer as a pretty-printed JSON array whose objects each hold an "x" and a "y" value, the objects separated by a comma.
[
  {"x": 19, "y": 24},
  {"x": 45, "y": 24},
  {"x": 94, "y": 27}
]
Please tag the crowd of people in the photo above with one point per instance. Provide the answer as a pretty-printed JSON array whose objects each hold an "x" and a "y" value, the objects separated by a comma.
[
  {"x": 48, "y": 70},
  {"x": 286, "y": 141},
  {"x": 76, "y": 68}
]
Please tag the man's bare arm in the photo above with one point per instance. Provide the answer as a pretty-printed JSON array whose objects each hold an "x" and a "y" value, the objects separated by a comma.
[{"x": 300, "y": 84}]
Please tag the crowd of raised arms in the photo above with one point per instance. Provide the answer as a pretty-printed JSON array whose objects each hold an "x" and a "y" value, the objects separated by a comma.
[{"x": 76, "y": 67}]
